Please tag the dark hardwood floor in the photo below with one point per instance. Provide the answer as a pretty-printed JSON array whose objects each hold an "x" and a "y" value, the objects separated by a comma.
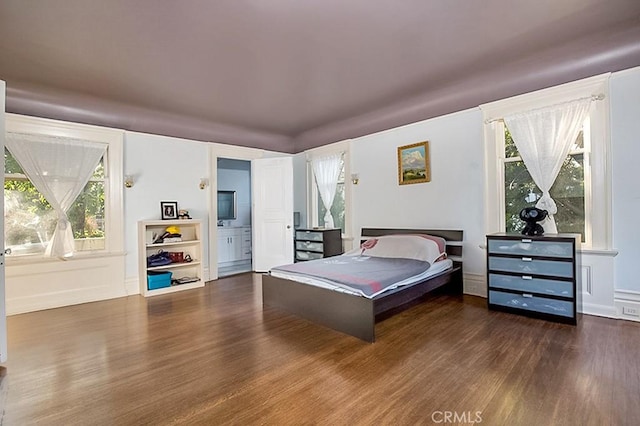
[{"x": 214, "y": 356}]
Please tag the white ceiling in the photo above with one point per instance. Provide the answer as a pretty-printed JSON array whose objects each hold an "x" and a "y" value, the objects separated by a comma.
[{"x": 294, "y": 74}]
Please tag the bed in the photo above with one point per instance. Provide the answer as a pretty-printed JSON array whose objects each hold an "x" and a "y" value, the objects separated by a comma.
[{"x": 355, "y": 314}]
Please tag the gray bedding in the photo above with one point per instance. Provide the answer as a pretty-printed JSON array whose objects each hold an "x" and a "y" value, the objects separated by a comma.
[{"x": 367, "y": 275}]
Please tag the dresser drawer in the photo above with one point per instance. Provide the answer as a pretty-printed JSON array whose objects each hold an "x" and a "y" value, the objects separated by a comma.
[
  {"x": 309, "y": 245},
  {"x": 531, "y": 303},
  {"x": 308, "y": 255},
  {"x": 527, "y": 265},
  {"x": 529, "y": 284},
  {"x": 309, "y": 235},
  {"x": 529, "y": 247}
]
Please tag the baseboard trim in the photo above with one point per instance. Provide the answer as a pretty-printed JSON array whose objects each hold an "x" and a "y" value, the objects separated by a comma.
[
  {"x": 598, "y": 310},
  {"x": 132, "y": 286},
  {"x": 475, "y": 284},
  {"x": 627, "y": 305}
]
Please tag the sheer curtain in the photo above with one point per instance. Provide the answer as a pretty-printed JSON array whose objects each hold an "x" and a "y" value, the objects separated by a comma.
[
  {"x": 327, "y": 172},
  {"x": 59, "y": 168},
  {"x": 544, "y": 137}
]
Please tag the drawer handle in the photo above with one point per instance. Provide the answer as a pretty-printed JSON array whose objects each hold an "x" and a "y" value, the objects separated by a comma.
[
  {"x": 527, "y": 259},
  {"x": 527, "y": 277},
  {"x": 526, "y": 240},
  {"x": 527, "y": 295}
]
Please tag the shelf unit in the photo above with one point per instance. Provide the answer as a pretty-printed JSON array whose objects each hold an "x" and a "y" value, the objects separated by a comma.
[
  {"x": 534, "y": 276},
  {"x": 191, "y": 244}
]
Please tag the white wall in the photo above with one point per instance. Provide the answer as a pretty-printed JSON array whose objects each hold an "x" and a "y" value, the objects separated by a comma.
[
  {"x": 452, "y": 200},
  {"x": 164, "y": 169},
  {"x": 625, "y": 141}
]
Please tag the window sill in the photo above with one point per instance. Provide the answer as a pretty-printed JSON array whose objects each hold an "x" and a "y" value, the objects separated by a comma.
[
  {"x": 598, "y": 252},
  {"x": 39, "y": 259}
]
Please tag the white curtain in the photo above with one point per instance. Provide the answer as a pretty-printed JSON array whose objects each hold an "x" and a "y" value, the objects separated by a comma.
[
  {"x": 59, "y": 168},
  {"x": 327, "y": 172},
  {"x": 544, "y": 137}
]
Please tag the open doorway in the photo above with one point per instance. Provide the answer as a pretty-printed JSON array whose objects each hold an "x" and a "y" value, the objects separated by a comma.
[{"x": 234, "y": 216}]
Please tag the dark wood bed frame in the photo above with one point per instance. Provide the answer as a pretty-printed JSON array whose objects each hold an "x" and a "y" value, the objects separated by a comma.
[{"x": 356, "y": 315}]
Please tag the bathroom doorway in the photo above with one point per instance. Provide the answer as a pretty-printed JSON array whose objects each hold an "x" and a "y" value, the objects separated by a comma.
[{"x": 234, "y": 216}]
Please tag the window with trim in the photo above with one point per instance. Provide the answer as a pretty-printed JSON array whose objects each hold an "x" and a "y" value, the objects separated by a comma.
[
  {"x": 570, "y": 191},
  {"x": 30, "y": 220},
  {"x": 96, "y": 215},
  {"x": 340, "y": 206},
  {"x": 582, "y": 190}
]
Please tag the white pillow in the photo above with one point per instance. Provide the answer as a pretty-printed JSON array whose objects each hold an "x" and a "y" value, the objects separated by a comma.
[{"x": 420, "y": 247}]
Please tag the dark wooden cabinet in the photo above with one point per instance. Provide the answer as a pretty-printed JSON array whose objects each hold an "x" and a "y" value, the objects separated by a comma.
[
  {"x": 317, "y": 243},
  {"x": 534, "y": 276}
]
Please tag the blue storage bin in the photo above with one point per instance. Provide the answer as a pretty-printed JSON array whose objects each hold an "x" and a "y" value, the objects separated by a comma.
[{"x": 158, "y": 279}]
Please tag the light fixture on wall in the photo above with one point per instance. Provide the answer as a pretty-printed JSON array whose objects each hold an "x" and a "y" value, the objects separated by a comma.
[
  {"x": 204, "y": 182},
  {"x": 354, "y": 178},
  {"x": 128, "y": 181}
]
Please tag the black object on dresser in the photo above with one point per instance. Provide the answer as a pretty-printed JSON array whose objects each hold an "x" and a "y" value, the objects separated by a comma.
[
  {"x": 533, "y": 276},
  {"x": 317, "y": 243}
]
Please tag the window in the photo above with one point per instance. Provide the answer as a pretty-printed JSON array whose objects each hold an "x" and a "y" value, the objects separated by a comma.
[
  {"x": 568, "y": 191},
  {"x": 582, "y": 190},
  {"x": 96, "y": 215},
  {"x": 340, "y": 207},
  {"x": 30, "y": 220}
]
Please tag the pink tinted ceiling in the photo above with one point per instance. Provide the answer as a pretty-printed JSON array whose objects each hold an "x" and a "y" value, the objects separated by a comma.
[{"x": 289, "y": 75}]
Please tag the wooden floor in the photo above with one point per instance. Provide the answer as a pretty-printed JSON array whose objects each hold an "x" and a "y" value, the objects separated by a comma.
[{"x": 214, "y": 356}]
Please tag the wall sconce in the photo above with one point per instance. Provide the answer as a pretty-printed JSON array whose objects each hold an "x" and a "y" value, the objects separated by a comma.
[
  {"x": 128, "y": 181},
  {"x": 204, "y": 182},
  {"x": 354, "y": 178}
]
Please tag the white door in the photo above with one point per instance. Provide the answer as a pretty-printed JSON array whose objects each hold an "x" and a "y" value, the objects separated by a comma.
[
  {"x": 3, "y": 311},
  {"x": 272, "y": 212}
]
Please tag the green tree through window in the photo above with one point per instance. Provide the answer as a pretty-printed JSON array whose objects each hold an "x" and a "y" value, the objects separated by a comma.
[
  {"x": 338, "y": 206},
  {"x": 568, "y": 190},
  {"x": 30, "y": 220}
]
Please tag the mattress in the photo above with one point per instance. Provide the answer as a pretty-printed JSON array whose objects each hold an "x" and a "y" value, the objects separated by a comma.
[{"x": 431, "y": 271}]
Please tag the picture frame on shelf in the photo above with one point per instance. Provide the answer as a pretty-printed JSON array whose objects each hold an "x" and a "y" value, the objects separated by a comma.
[
  {"x": 413, "y": 163},
  {"x": 169, "y": 210}
]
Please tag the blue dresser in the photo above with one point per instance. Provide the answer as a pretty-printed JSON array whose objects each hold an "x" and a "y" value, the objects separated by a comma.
[{"x": 533, "y": 276}]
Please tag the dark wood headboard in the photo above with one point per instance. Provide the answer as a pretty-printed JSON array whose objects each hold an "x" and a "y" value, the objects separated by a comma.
[{"x": 453, "y": 237}]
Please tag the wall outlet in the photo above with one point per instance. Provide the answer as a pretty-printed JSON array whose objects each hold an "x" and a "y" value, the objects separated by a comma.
[{"x": 632, "y": 312}]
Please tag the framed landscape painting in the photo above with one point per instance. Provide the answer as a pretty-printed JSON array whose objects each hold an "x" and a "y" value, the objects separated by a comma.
[{"x": 413, "y": 163}]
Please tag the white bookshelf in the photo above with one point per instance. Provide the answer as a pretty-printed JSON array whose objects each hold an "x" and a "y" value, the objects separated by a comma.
[{"x": 191, "y": 244}]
